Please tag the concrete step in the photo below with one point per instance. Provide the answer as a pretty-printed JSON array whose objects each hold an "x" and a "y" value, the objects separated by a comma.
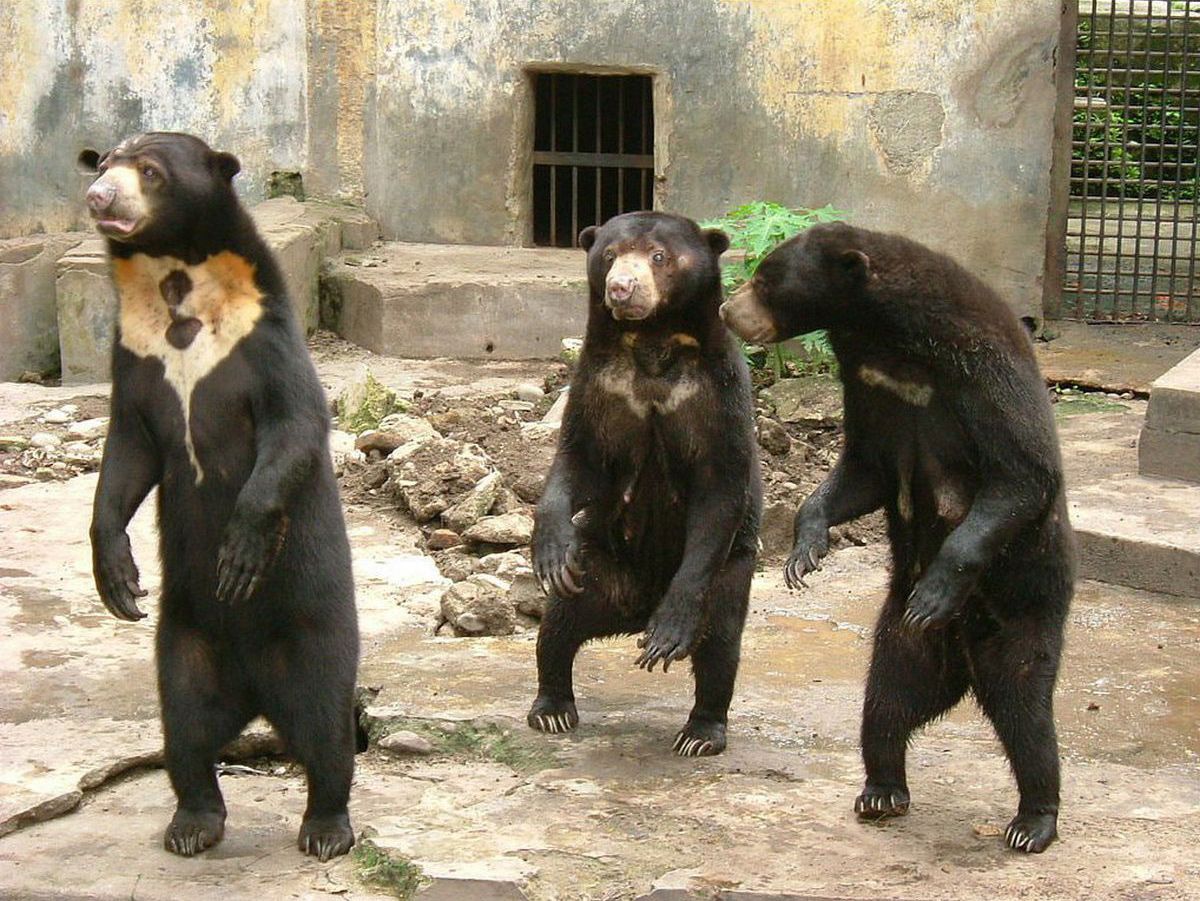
[
  {"x": 1139, "y": 531},
  {"x": 1133, "y": 530},
  {"x": 302, "y": 235},
  {"x": 462, "y": 301},
  {"x": 28, "y": 321},
  {"x": 1170, "y": 440}
]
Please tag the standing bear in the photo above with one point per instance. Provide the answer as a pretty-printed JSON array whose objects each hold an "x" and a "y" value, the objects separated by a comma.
[
  {"x": 948, "y": 428},
  {"x": 649, "y": 519},
  {"x": 215, "y": 401}
]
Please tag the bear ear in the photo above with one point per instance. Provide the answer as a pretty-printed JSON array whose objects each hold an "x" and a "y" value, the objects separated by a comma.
[
  {"x": 226, "y": 164},
  {"x": 88, "y": 161},
  {"x": 587, "y": 237},
  {"x": 716, "y": 239},
  {"x": 856, "y": 264}
]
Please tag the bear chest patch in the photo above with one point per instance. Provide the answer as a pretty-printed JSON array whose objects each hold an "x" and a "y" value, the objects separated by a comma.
[
  {"x": 658, "y": 377},
  {"x": 190, "y": 318}
]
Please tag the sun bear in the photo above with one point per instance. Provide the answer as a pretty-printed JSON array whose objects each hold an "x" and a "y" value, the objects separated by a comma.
[
  {"x": 216, "y": 402},
  {"x": 649, "y": 518},
  {"x": 948, "y": 427}
]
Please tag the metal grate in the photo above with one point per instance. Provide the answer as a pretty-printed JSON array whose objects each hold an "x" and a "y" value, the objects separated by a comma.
[
  {"x": 593, "y": 152},
  {"x": 1131, "y": 222}
]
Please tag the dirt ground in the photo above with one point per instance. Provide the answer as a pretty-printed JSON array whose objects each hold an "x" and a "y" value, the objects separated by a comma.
[{"x": 496, "y": 811}]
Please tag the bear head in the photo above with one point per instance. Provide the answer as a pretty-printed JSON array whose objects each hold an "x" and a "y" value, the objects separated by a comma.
[
  {"x": 807, "y": 283},
  {"x": 646, "y": 265},
  {"x": 150, "y": 190}
]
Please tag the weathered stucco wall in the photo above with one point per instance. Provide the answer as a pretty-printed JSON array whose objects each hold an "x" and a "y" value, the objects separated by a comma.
[
  {"x": 77, "y": 73},
  {"x": 931, "y": 117}
]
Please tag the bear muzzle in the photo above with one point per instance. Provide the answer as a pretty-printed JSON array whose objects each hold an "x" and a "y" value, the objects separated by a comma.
[
  {"x": 116, "y": 204},
  {"x": 747, "y": 317}
]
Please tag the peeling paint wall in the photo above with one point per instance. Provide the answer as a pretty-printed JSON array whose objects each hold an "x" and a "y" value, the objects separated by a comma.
[
  {"x": 931, "y": 117},
  {"x": 77, "y": 73}
]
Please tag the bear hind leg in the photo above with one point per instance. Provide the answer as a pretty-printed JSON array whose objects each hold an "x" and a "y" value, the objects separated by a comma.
[
  {"x": 200, "y": 716},
  {"x": 913, "y": 678},
  {"x": 716, "y": 658},
  {"x": 1013, "y": 679}
]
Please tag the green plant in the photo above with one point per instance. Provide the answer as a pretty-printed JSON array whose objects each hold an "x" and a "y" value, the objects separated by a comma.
[
  {"x": 756, "y": 229},
  {"x": 379, "y": 868}
]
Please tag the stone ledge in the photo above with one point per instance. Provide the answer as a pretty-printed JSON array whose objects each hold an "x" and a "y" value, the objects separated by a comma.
[
  {"x": 1170, "y": 441},
  {"x": 301, "y": 235},
  {"x": 28, "y": 321}
]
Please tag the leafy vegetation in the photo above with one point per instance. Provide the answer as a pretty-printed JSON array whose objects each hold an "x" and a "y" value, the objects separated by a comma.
[
  {"x": 486, "y": 741},
  {"x": 394, "y": 874},
  {"x": 1135, "y": 139},
  {"x": 756, "y": 229}
]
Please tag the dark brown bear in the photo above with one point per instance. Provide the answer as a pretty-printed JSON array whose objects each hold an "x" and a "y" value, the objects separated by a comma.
[
  {"x": 649, "y": 519},
  {"x": 949, "y": 429},
  {"x": 215, "y": 401}
]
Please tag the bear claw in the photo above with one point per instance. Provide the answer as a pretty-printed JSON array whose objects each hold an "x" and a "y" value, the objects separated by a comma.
[
  {"x": 553, "y": 718},
  {"x": 1031, "y": 833},
  {"x": 877, "y": 803}
]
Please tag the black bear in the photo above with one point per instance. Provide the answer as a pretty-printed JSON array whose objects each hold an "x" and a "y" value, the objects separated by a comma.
[
  {"x": 948, "y": 427},
  {"x": 649, "y": 517},
  {"x": 216, "y": 402}
]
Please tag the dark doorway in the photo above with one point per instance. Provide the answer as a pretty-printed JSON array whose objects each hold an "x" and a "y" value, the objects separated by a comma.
[{"x": 593, "y": 152}]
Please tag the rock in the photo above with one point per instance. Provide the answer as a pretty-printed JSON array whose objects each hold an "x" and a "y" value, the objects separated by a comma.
[
  {"x": 554, "y": 415},
  {"x": 475, "y": 504},
  {"x": 569, "y": 352},
  {"x": 479, "y": 606},
  {"x": 528, "y": 487},
  {"x": 363, "y": 404},
  {"x": 404, "y": 743},
  {"x": 431, "y": 475},
  {"x": 340, "y": 443},
  {"x": 455, "y": 565},
  {"x": 504, "y": 565},
  {"x": 775, "y": 533},
  {"x": 8, "y": 480},
  {"x": 526, "y": 596},
  {"x": 527, "y": 391},
  {"x": 516, "y": 406},
  {"x": 773, "y": 437},
  {"x": 375, "y": 477},
  {"x": 79, "y": 452},
  {"x": 507, "y": 501},
  {"x": 440, "y": 539},
  {"x": 44, "y": 440},
  {"x": 508, "y": 528},
  {"x": 89, "y": 428},
  {"x": 13, "y": 442},
  {"x": 56, "y": 417},
  {"x": 70, "y": 409},
  {"x": 408, "y": 427},
  {"x": 812, "y": 400}
]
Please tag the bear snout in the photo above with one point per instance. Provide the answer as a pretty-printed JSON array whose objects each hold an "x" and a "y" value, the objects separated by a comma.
[
  {"x": 621, "y": 287},
  {"x": 745, "y": 315},
  {"x": 100, "y": 195}
]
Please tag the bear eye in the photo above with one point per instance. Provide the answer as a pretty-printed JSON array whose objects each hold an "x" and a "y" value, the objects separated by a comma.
[
  {"x": 610, "y": 255},
  {"x": 659, "y": 257},
  {"x": 149, "y": 172}
]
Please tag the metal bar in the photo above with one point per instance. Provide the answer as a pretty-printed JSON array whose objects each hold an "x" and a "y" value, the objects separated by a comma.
[
  {"x": 1184, "y": 68},
  {"x": 1054, "y": 271},
  {"x": 1086, "y": 167},
  {"x": 645, "y": 144},
  {"x": 586, "y": 158},
  {"x": 1141, "y": 188},
  {"x": 1158, "y": 195},
  {"x": 599, "y": 217},
  {"x": 574, "y": 242},
  {"x": 553, "y": 168},
  {"x": 620, "y": 141},
  {"x": 1104, "y": 172}
]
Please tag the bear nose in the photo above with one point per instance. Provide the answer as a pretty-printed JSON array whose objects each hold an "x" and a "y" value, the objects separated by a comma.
[
  {"x": 100, "y": 195},
  {"x": 620, "y": 287}
]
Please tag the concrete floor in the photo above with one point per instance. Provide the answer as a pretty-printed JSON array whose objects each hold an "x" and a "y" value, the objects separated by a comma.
[{"x": 607, "y": 812}]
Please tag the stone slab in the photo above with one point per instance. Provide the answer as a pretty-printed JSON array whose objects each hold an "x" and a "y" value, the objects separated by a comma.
[
  {"x": 433, "y": 300},
  {"x": 1170, "y": 440},
  {"x": 301, "y": 235},
  {"x": 28, "y": 317}
]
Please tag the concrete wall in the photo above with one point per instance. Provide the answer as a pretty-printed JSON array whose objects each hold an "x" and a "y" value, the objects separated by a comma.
[
  {"x": 932, "y": 117},
  {"x": 77, "y": 73}
]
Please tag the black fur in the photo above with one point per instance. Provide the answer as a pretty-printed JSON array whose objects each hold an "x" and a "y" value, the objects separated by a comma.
[
  {"x": 649, "y": 521},
  {"x": 257, "y": 613},
  {"x": 968, "y": 470}
]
